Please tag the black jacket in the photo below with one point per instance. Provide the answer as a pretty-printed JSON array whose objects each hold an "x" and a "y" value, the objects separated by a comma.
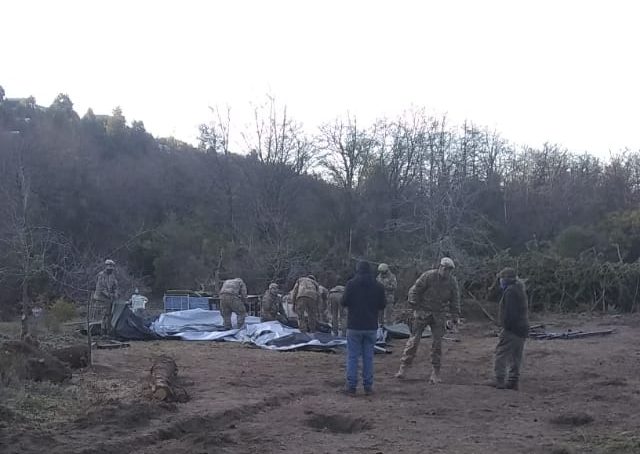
[
  {"x": 364, "y": 298},
  {"x": 513, "y": 309}
]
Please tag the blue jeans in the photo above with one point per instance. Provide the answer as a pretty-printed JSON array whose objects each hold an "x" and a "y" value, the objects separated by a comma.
[{"x": 360, "y": 343}]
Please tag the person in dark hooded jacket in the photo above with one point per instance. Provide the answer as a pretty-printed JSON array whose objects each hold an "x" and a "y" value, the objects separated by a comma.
[
  {"x": 515, "y": 330},
  {"x": 364, "y": 298}
]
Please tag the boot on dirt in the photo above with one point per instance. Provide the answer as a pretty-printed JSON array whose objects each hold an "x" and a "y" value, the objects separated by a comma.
[
  {"x": 351, "y": 392},
  {"x": 435, "y": 376},
  {"x": 498, "y": 383},
  {"x": 401, "y": 372},
  {"x": 512, "y": 384}
]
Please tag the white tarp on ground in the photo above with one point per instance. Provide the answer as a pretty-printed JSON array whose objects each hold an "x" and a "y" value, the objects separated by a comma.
[
  {"x": 203, "y": 325},
  {"x": 198, "y": 320}
]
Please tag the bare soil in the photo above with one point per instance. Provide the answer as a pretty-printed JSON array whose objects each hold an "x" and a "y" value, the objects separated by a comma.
[{"x": 576, "y": 396}]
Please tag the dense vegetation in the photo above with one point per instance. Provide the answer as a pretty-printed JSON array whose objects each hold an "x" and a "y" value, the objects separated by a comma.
[{"x": 405, "y": 190}]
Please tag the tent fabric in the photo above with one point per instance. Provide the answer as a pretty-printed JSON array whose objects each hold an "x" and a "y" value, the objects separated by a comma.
[
  {"x": 126, "y": 325},
  {"x": 202, "y": 325},
  {"x": 198, "y": 320}
]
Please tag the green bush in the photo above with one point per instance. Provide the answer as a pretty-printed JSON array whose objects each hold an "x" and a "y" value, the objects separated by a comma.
[{"x": 62, "y": 310}]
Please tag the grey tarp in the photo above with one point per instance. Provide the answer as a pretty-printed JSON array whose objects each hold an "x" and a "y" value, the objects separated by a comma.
[{"x": 202, "y": 325}]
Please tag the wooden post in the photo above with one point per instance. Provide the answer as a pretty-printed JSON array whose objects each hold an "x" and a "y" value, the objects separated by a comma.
[{"x": 90, "y": 356}]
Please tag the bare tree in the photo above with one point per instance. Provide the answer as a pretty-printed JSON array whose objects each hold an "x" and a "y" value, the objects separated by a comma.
[
  {"x": 27, "y": 244},
  {"x": 215, "y": 142},
  {"x": 348, "y": 150},
  {"x": 277, "y": 139}
]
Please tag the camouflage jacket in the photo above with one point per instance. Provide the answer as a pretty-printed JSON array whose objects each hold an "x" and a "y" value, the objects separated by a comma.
[
  {"x": 235, "y": 287},
  {"x": 435, "y": 295},
  {"x": 106, "y": 287},
  {"x": 305, "y": 287},
  {"x": 389, "y": 282},
  {"x": 272, "y": 305}
]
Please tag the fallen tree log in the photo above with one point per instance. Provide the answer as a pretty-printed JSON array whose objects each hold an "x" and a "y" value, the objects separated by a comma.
[
  {"x": 76, "y": 356},
  {"x": 163, "y": 381}
]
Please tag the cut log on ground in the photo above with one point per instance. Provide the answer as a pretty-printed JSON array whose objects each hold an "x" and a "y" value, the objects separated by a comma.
[
  {"x": 164, "y": 384},
  {"x": 76, "y": 356}
]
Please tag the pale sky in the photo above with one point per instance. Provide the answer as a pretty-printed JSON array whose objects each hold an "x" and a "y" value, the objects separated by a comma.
[{"x": 562, "y": 71}]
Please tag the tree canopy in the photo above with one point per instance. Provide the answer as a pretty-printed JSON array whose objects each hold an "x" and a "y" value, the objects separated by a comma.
[{"x": 403, "y": 190}]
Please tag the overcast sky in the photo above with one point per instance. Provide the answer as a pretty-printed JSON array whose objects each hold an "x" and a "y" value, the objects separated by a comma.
[{"x": 561, "y": 71}]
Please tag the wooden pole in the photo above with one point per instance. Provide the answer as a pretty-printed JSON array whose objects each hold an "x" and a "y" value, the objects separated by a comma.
[{"x": 89, "y": 356}]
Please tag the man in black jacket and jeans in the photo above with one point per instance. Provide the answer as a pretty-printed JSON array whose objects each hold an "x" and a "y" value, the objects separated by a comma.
[
  {"x": 364, "y": 298},
  {"x": 515, "y": 330}
]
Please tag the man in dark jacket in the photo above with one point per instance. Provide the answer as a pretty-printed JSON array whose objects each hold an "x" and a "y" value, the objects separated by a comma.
[
  {"x": 364, "y": 298},
  {"x": 515, "y": 329}
]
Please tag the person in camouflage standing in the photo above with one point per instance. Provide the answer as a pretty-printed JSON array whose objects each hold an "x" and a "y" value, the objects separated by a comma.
[
  {"x": 272, "y": 308},
  {"x": 233, "y": 296},
  {"x": 515, "y": 330},
  {"x": 105, "y": 294},
  {"x": 433, "y": 295},
  {"x": 338, "y": 311},
  {"x": 390, "y": 283},
  {"x": 306, "y": 299}
]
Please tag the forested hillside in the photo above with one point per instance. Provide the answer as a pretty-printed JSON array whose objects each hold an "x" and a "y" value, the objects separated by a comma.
[{"x": 291, "y": 199}]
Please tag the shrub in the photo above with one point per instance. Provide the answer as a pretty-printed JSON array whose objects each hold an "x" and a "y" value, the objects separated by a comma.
[{"x": 63, "y": 310}]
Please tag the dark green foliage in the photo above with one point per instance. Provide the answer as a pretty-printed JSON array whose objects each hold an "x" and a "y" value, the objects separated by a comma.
[
  {"x": 405, "y": 191},
  {"x": 574, "y": 240}
]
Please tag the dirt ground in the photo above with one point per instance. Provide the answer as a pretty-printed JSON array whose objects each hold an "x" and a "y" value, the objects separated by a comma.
[{"x": 577, "y": 396}]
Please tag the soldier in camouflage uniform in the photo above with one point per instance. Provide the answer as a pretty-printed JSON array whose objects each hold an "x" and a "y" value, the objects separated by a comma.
[
  {"x": 338, "y": 311},
  {"x": 104, "y": 296},
  {"x": 306, "y": 299},
  {"x": 233, "y": 296},
  {"x": 433, "y": 295},
  {"x": 389, "y": 282},
  {"x": 272, "y": 308}
]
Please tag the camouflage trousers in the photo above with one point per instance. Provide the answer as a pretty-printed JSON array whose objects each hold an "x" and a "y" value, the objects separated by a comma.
[
  {"x": 420, "y": 322},
  {"x": 229, "y": 304},
  {"x": 508, "y": 357},
  {"x": 101, "y": 312},
  {"x": 306, "y": 309},
  {"x": 338, "y": 315},
  {"x": 385, "y": 316},
  {"x": 272, "y": 315}
]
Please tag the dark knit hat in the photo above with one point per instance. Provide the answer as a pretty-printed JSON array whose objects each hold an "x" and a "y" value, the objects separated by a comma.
[{"x": 508, "y": 273}]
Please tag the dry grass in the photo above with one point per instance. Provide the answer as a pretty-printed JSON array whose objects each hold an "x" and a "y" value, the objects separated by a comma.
[
  {"x": 10, "y": 329},
  {"x": 36, "y": 403}
]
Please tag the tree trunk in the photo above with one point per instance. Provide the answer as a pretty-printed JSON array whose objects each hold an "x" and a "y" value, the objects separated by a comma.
[{"x": 24, "y": 320}]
